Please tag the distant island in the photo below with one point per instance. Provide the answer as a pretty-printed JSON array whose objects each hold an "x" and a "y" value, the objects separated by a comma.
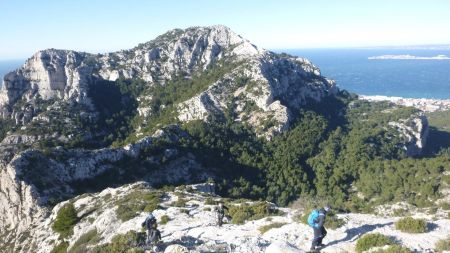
[{"x": 408, "y": 57}]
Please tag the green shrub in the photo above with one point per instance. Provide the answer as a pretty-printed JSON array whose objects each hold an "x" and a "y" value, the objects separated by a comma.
[
  {"x": 181, "y": 202},
  {"x": 122, "y": 243},
  {"x": 394, "y": 249},
  {"x": 89, "y": 238},
  {"x": 66, "y": 219},
  {"x": 369, "y": 241},
  {"x": 411, "y": 225},
  {"x": 207, "y": 209},
  {"x": 266, "y": 228},
  {"x": 210, "y": 201},
  {"x": 60, "y": 248},
  {"x": 443, "y": 245},
  {"x": 164, "y": 219},
  {"x": 138, "y": 201},
  {"x": 245, "y": 212}
]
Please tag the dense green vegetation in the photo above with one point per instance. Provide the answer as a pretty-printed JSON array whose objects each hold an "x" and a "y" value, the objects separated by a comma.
[
  {"x": 369, "y": 241},
  {"x": 325, "y": 154},
  {"x": 66, "y": 219},
  {"x": 439, "y": 136},
  {"x": 411, "y": 225}
]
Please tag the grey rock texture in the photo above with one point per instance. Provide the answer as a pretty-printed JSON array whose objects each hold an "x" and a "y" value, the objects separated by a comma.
[
  {"x": 192, "y": 228},
  {"x": 415, "y": 131},
  {"x": 274, "y": 83}
]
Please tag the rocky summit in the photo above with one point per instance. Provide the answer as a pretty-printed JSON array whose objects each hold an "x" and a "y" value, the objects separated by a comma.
[
  {"x": 283, "y": 82},
  {"x": 193, "y": 105}
]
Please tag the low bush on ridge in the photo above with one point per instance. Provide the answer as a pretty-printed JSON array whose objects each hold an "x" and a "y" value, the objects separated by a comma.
[
  {"x": 369, "y": 241},
  {"x": 411, "y": 225}
]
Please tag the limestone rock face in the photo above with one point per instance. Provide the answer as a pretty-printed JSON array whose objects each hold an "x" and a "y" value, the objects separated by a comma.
[
  {"x": 274, "y": 83},
  {"x": 415, "y": 131},
  {"x": 49, "y": 74},
  {"x": 31, "y": 181}
]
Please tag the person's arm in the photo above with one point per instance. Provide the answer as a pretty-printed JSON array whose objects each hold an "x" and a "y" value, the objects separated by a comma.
[{"x": 321, "y": 220}]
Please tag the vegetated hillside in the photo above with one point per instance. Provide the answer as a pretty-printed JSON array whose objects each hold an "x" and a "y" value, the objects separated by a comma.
[
  {"x": 203, "y": 104},
  {"x": 439, "y": 138}
]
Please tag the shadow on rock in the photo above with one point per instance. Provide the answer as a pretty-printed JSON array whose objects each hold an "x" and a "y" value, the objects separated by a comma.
[
  {"x": 354, "y": 233},
  {"x": 431, "y": 226},
  {"x": 187, "y": 241}
]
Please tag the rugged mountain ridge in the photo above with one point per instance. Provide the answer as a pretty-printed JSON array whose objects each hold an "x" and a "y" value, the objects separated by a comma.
[
  {"x": 54, "y": 81},
  {"x": 50, "y": 151}
]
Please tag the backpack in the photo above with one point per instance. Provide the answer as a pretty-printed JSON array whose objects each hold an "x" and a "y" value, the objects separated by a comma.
[
  {"x": 312, "y": 218},
  {"x": 149, "y": 223}
]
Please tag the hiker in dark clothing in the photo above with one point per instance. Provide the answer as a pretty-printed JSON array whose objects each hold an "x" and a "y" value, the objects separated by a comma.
[
  {"x": 221, "y": 213},
  {"x": 316, "y": 220},
  {"x": 153, "y": 234}
]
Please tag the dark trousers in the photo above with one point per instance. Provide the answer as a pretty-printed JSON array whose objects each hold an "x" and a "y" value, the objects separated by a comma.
[
  {"x": 220, "y": 219},
  {"x": 319, "y": 234}
]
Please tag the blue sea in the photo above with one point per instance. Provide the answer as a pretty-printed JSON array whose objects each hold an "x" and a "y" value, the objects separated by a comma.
[
  {"x": 354, "y": 72},
  {"x": 403, "y": 78}
]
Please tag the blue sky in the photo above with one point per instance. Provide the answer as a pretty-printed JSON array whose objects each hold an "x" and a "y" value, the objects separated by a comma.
[{"x": 108, "y": 25}]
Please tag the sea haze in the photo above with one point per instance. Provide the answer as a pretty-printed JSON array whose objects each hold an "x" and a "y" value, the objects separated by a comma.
[{"x": 410, "y": 78}]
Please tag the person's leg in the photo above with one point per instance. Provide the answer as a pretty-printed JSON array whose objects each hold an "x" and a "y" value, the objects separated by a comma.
[
  {"x": 147, "y": 241},
  {"x": 323, "y": 233},
  {"x": 317, "y": 238},
  {"x": 219, "y": 220}
]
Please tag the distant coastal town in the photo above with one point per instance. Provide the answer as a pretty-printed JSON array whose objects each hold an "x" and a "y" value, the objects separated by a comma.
[
  {"x": 409, "y": 57},
  {"x": 424, "y": 104}
]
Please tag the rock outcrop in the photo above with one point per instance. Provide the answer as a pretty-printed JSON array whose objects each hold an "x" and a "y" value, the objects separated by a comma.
[
  {"x": 32, "y": 181},
  {"x": 192, "y": 227},
  {"x": 415, "y": 130}
]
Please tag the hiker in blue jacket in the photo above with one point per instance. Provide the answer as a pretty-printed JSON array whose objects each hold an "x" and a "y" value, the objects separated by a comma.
[{"x": 316, "y": 220}]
